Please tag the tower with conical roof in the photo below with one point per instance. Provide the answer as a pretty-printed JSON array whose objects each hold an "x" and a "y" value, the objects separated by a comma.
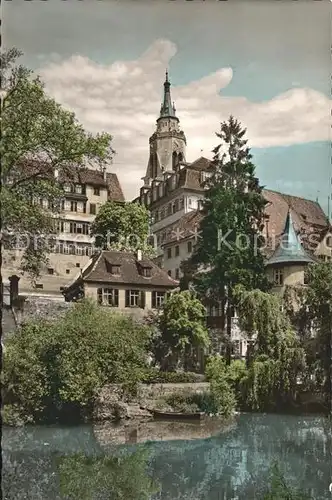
[
  {"x": 168, "y": 142},
  {"x": 287, "y": 264}
]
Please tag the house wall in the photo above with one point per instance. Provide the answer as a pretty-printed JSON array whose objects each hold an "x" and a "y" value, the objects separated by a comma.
[
  {"x": 171, "y": 264},
  {"x": 65, "y": 269},
  {"x": 90, "y": 291},
  {"x": 292, "y": 276},
  {"x": 191, "y": 202},
  {"x": 324, "y": 248},
  {"x": 65, "y": 266}
]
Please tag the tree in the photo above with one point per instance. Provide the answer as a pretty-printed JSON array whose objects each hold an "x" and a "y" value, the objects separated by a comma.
[
  {"x": 319, "y": 302},
  {"x": 310, "y": 308},
  {"x": 229, "y": 247},
  {"x": 39, "y": 137},
  {"x": 277, "y": 358},
  {"x": 182, "y": 327},
  {"x": 217, "y": 372},
  {"x": 54, "y": 368},
  {"x": 122, "y": 226}
]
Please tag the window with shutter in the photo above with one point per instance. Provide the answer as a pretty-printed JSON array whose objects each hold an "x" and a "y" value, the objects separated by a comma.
[
  {"x": 132, "y": 298},
  {"x": 157, "y": 299},
  {"x": 108, "y": 297},
  {"x": 142, "y": 300}
]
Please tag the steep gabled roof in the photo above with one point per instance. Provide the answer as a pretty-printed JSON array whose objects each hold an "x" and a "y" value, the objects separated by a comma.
[
  {"x": 43, "y": 170},
  {"x": 98, "y": 271},
  {"x": 308, "y": 219},
  {"x": 201, "y": 163},
  {"x": 115, "y": 192},
  {"x": 306, "y": 214}
]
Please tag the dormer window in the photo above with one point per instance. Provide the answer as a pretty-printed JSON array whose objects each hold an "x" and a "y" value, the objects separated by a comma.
[
  {"x": 115, "y": 269},
  {"x": 205, "y": 176},
  {"x": 146, "y": 271}
]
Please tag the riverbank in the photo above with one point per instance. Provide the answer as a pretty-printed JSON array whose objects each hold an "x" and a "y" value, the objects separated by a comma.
[{"x": 112, "y": 404}]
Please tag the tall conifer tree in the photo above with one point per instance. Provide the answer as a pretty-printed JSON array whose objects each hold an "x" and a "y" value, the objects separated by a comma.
[{"x": 228, "y": 252}]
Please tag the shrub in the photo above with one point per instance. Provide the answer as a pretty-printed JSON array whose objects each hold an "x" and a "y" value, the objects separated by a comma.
[
  {"x": 206, "y": 403},
  {"x": 155, "y": 376},
  {"x": 220, "y": 386},
  {"x": 237, "y": 375},
  {"x": 53, "y": 368},
  {"x": 190, "y": 403},
  {"x": 179, "y": 403}
]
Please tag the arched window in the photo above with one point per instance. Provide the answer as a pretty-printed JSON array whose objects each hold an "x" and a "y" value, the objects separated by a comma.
[
  {"x": 174, "y": 160},
  {"x": 154, "y": 165}
]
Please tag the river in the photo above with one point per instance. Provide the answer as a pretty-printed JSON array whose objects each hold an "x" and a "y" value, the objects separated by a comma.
[{"x": 168, "y": 461}]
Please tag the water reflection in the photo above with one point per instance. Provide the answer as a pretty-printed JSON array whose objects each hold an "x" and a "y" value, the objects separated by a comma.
[{"x": 210, "y": 461}]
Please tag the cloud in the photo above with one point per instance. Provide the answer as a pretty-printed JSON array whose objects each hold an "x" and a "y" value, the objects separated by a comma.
[{"x": 124, "y": 99}]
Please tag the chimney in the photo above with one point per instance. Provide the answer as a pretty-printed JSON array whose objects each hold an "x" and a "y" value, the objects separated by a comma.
[
  {"x": 13, "y": 289},
  {"x": 104, "y": 174},
  {"x": 139, "y": 255}
]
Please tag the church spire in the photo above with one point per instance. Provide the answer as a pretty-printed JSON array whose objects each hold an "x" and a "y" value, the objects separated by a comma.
[{"x": 167, "y": 108}]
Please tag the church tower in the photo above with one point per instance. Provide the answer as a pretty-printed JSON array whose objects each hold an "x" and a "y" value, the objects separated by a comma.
[{"x": 168, "y": 143}]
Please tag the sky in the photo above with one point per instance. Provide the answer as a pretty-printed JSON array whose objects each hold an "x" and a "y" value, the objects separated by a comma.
[{"x": 266, "y": 62}]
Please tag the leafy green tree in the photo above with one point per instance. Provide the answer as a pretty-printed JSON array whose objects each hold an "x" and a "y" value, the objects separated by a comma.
[
  {"x": 277, "y": 359},
  {"x": 319, "y": 303},
  {"x": 38, "y": 138},
  {"x": 310, "y": 309},
  {"x": 182, "y": 330},
  {"x": 228, "y": 251},
  {"x": 118, "y": 478},
  {"x": 50, "y": 368},
  {"x": 122, "y": 226}
]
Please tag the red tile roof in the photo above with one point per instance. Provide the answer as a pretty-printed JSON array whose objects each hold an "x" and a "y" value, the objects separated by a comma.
[
  {"x": 307, "y": 214},
  {"x": 42, "y": 170},
  {"x": 308, "y": 218}
]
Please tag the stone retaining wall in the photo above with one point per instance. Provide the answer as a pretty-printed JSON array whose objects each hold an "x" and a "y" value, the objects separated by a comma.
[{"x": 110, "y": 405}]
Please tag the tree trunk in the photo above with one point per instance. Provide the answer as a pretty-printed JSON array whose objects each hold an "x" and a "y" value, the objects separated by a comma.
[{"x": 229, "y": 327}]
